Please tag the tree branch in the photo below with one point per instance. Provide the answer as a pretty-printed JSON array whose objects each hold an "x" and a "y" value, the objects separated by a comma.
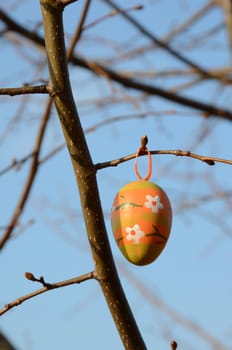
[
  {"x": 203, "y": 72},
  {"x": 105, "y": 270},
  {"x": 178, "y": 153},
  {"x": 209, "y": 109},
  {"x": 190, "y": 21},
  {"x": 16, "y": 164},
  {"x": 47, "y": 287},
  {"x": 111, "y": 14},
  {"x": 98, "y": 69},
  {"x": 40, "y": 89}
]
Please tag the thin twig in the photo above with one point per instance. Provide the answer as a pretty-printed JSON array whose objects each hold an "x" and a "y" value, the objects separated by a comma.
[
  {"x": 16, "y": 164},
  {"x": 111, "y": 14},
  {"x": 161, "y": 43},
  {"x": 208, "y": 160},
  {"x": 190, "y": 21},
  {"x": 47, "y": 287}
]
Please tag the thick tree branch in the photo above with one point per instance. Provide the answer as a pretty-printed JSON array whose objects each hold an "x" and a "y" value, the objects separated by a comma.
[
  {"x": 85, "y": 173},
  {"x": 208, "y": 109}
]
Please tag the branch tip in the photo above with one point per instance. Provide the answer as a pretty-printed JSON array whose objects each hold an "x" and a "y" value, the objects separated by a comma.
[
  {"x": 144, "y": 141},
  {"x": 29, "y": 276},
  {"x": 139, "y": 7},
  {"x": 173, "y": 345}
]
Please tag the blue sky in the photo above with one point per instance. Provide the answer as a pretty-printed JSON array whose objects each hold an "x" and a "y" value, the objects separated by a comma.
[{"x": 191, "y": 279}]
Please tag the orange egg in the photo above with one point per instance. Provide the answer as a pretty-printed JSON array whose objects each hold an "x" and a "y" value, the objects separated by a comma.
[{"x": 141, "y": 221}]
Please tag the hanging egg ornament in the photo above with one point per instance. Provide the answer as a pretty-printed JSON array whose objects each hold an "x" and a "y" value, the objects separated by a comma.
[{"x": 141, "y": 218}]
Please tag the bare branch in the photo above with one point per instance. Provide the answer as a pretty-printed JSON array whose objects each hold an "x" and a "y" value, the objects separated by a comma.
[
  {"x": 190, "y": 21},
  {"x": 40, "y": 89},
  {"x": 161, "y": 43},
  {"x": 178, "y": 153},
  {"x": 111, "y": 14},
  {"x": 47, "y": 287},
  {"x": 16, "y": 164},
  {"x": 209, "y": 109},
  {"x": 98, "y": 69}
]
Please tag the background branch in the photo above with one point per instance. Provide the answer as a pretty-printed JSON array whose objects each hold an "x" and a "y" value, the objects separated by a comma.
[
  {"x": 99, "y": 69},
  {"x": 38, "y": 144},
  {"x": 160, "y": 43}
]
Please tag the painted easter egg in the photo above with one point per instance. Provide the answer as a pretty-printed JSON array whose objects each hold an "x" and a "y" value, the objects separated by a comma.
[{"x": 141, "y": 220}]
